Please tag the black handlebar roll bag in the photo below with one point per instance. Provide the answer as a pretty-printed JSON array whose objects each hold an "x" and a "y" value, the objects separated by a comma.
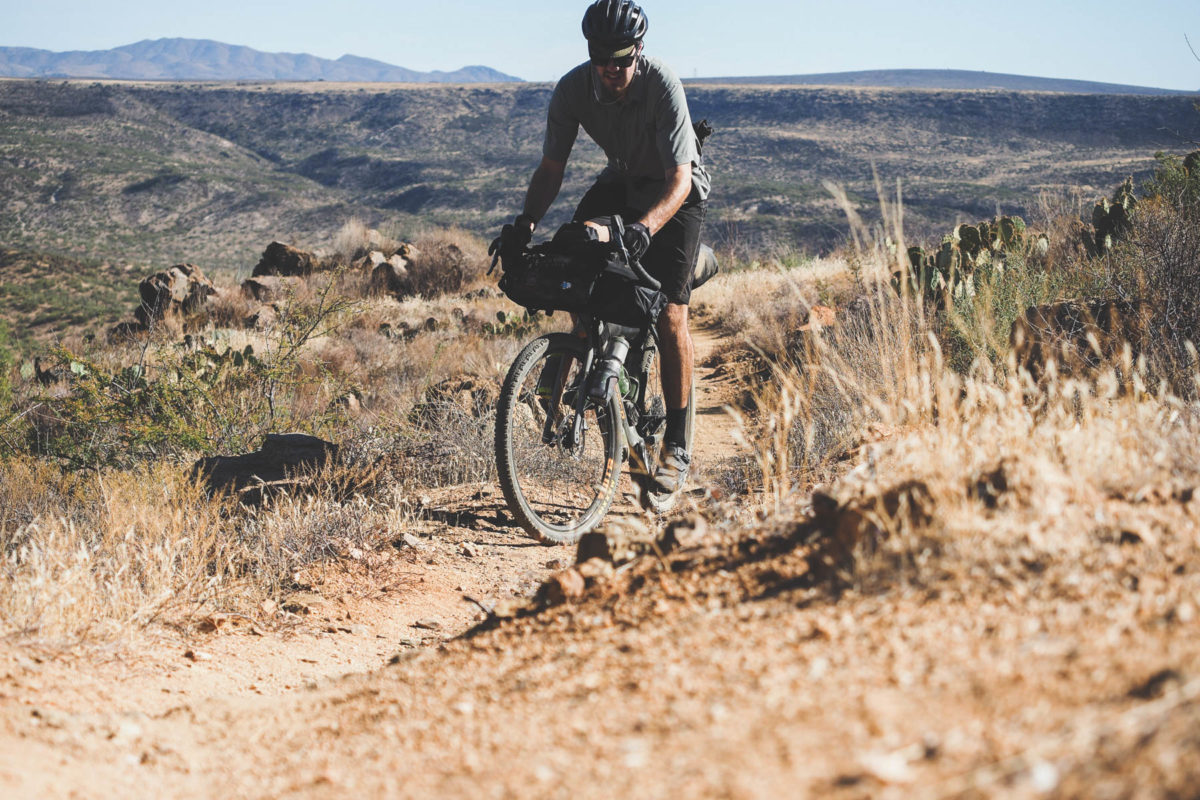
[{"x": 576, "y": 272}]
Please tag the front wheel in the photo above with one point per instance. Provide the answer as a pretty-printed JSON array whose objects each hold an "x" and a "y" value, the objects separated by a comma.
[{"x": 558, "y": 473}]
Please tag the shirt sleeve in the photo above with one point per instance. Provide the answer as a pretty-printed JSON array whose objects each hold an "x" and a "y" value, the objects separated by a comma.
[
  {"x": 562, "y": 126},
  {"x": 676, "y": 140}
]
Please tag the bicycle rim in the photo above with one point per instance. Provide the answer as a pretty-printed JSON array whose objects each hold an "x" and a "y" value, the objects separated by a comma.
[{"x": 559, "y": 479}]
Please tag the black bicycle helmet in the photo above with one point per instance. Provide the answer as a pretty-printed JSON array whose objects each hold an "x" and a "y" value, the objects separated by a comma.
[{"x": 614, "y": 23}]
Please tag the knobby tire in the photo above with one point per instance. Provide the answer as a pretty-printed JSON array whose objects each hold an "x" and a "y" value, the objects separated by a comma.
[{"x": 556, "y": 493}]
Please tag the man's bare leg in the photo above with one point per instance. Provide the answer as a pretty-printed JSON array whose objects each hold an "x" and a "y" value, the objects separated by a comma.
[{"x": 676, "y": 341}]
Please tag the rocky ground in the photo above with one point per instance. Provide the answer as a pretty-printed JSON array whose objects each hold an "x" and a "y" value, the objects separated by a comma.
[{"x": 731, "y": 661}]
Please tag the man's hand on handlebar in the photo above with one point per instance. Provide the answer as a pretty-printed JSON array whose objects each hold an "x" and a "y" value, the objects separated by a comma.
[
  {"x": 635, "y": 236},
  {"x": 637, "y": 240},
  {"x": 514, "y": 237}
]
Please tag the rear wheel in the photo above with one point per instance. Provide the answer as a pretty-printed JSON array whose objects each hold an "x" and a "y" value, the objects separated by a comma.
[{"x": 558, "y": 474}]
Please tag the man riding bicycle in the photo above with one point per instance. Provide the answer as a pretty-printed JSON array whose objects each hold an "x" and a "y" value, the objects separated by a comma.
[{"x": 634, "y": 108}]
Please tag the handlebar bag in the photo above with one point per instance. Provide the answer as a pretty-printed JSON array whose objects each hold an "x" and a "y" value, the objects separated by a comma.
[{"x": 575, "y": 272}]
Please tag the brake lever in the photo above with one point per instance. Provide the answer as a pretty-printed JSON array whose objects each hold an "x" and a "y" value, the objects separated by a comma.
[
  {"x": 619, "y": 224},
  {"x": 644, "y": 276}
]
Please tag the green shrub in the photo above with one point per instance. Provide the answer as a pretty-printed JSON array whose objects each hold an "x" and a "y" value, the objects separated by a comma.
[{"x": 177, "y": 402}]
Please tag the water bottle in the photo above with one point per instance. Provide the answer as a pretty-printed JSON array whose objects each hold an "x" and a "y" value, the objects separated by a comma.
[{"x": 607, "y": 372}]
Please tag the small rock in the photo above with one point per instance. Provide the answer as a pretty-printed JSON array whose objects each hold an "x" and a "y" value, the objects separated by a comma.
[
  {"x": 596, "y": 569},
  {"x": 127, "y": 731},
  {"x": 507, "y": 608},
  {"x": 592, "y": 546},
  {"x": 563, "y": 586},
  {"x": 1157, "y": 684},
  {"x": 197, "y": 655},
  {"x": 51, "y": 718},
  {"x": 428, "y": 623},
  {"x": 683, "y": 534},
  {"x": 468, "y": 550},
  {"x": 411, "y": 541},
  {"x": 355, "y": 553},
  {"x": 555, "y": 564},
  {"x": 268, "y": 606}
]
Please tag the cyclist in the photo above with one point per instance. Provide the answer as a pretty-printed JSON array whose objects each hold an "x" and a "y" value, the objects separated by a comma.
[{"x": 633, "y": 106}]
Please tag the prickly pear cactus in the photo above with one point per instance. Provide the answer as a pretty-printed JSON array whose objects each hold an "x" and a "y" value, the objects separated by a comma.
[
  {"x": 916, "y": 257},
  {"x": 1011, "y": 232},
  {"x": 969, "y": 240},
  {"x": 947, "y": 259}
]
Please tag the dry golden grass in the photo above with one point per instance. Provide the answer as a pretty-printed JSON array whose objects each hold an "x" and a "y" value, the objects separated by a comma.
[
  {"x": 102, "y": 556},
  {"x": 948, "y": 468},
  {"x": 99, "y": 555}
]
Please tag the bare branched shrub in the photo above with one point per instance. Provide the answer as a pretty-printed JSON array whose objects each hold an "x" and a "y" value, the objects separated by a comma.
[{"x": 1164, "y": 249}]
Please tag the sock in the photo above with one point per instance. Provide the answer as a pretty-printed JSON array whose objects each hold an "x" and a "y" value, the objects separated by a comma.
[{"x": 676, "y": 427}]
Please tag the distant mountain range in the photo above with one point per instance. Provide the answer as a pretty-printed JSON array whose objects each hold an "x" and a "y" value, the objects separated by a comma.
[
  {"x": 942, "y": 79},
  {"x": 206, "y": 60}
]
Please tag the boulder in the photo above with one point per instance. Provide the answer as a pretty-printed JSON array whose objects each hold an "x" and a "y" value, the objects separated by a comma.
[
  {"x": 270, "y": 288},
  {"x": 181, "y": 291},
  {"x": 285, "y": 460},
  {"x": 390, "y": 276},
  {"x": 282, "y": 259}
]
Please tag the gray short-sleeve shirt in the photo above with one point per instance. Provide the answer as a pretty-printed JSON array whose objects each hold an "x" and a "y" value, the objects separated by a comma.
[{"x": 643, "y": 136}]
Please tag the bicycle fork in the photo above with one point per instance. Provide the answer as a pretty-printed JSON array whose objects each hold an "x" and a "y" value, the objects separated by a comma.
[{"x": 574, "y": 434}]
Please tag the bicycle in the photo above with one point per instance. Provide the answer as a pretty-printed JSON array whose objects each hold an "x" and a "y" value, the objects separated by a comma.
[{"x": 574, "y": 407}]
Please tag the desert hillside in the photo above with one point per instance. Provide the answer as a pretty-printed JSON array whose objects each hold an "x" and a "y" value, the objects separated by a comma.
[{"x": 154, "y": 173}]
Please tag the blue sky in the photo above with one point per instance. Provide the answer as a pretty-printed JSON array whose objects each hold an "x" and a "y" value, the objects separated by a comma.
[{"x": 1116, "y": 41}]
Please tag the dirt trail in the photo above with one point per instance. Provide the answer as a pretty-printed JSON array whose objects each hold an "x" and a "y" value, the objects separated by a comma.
[{"x": 355, "y": 619}]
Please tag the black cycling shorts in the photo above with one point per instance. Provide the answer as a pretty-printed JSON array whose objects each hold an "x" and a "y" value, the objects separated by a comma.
[{"x": 672, "y": 254}]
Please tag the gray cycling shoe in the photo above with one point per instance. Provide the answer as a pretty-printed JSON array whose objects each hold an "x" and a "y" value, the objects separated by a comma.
[{"x": 674, "y": 462}]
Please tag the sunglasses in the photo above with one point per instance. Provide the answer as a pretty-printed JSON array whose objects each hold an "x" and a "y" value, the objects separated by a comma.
[{"x": 621, "y": 62}]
